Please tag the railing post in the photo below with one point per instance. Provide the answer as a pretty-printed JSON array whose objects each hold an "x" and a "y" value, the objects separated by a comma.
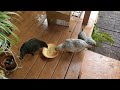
[{"x": 86, "y": 18}]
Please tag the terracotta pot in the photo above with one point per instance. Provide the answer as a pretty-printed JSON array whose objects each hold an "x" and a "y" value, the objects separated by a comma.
[{"x": 8, "y": 63}]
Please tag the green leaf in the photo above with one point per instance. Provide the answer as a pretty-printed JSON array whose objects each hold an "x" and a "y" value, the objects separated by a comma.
[
  {"x": 6, "y": 26},
  {"x": 16, "y": 19},
  {"x": 9, "y": 24},
  {"x": 101, "y": 37},
  {"x": 10, "y": 13},
  {"x": 4, "y": 16},
  {"x": 7, "y": 38},
  {"x": 9, "y": 31},
  {"x": 3, "y": 27},
  {"x": 14, "y": 35},
  {"x": 1, "y": 50}
]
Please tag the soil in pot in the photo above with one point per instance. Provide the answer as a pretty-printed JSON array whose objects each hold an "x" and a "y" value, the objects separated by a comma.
[{"x": 9, "y": 63}]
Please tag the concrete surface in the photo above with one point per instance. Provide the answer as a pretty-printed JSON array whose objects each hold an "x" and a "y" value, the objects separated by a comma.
[{"x": 109, "y": 21}]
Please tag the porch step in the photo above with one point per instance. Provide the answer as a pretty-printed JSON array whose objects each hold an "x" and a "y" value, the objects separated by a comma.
[
  {"x": 84, "y": 65},
  {"x": 94, "y": 65},
  {"x": 91, "y": 22},
  {"x": 97, "y": 66}
]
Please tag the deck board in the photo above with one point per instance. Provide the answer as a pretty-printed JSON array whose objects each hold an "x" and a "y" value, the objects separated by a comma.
[
  {"x": 65, "y": 65},
  {"x": 45, "y": 36},
  {"x": 22, "y": 29},
  {"x": 26, "y": 26},
  {"x": 54, "y": 39},
  {"x": 44, "y": 60},
  {"x": 75, "y": 65},
  {"x": 54, "y": 61},
  {"x": 99, "y": 66},
  {"x": 26, "y": 36}
]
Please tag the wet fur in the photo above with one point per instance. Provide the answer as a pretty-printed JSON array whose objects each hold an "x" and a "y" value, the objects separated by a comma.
[
  {"x": 72, "y": 45},
  {"x": 31, "y": 46},
  {"x": 82, "y": 35}
]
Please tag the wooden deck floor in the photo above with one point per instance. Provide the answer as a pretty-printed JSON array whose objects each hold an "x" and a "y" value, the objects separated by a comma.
[
  {"x": 64, "y": 66},
  {"x": 37, "y": 66}
]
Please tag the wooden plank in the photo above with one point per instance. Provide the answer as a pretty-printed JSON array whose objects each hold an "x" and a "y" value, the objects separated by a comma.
[
  {"x": 28, "y": 37},
  {"x": 85, "y": 76},
  {"x": 90, "y": 25},
  {"x": 63, "y": 64},
  {"x": 22, "y": 29},
  {"x": 41, "y": 62},
  {"x": 29, "y": 60},
  {"x": 27, "y": 22},
  {"x": 98, "y": 66},
  {"x": 27, "y": 63},
  {"x": 86, "y": 18},
  {"x": 50, "y": 66},
  {"x": 74, "y": 68},
  {"x": 22, "y": 25},
  {"x": 24, "y": 34},
  {"x": 89, "y": 70},
  {"x": 38, "y": 32},
  {"x": 76, "y": 56},
  {"x": 23, "y": 19},
  {"x": 25, "y": 26},
  {"x": 75, "y": 65},
  {"x": 77, "y": 30},
  {"x": 56, "y": 37},
  {"x": 25, "y": 37}
]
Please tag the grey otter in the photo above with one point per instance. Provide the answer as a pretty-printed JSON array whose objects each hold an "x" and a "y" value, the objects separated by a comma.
[
  {"x": 72, "y": 45},
  {"x": 82, "y": 35},
  {"x": 31, "y": 46}
]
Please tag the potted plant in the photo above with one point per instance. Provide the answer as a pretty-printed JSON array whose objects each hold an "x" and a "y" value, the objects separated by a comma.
[{"x": 7, "y": 56}]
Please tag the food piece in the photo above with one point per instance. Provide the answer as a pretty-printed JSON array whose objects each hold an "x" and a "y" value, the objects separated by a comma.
[{"x": 50, "y": 52}]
